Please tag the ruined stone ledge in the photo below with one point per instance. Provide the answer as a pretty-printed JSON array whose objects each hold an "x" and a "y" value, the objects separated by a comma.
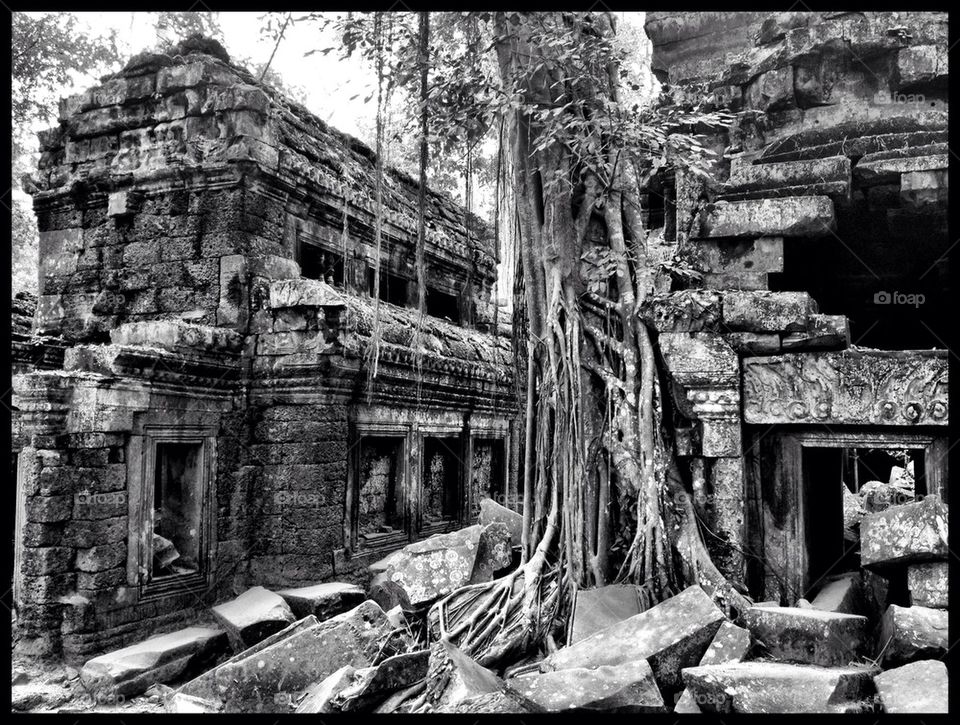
[
  {"x": 755, "y": 177},
  {"x": 904, "y": 387},
  {"x": 207, "y": 371},
  {"x": 797, "y": 216},
  {"x": 873, "y": 170},
  {"x": 177, "y": 336}
]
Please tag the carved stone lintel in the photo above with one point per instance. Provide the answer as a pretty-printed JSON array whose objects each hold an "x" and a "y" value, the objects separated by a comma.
[{"x": 884, "y": 387}]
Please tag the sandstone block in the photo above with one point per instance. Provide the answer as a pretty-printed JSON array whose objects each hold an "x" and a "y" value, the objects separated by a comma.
[
  {"x": 928, "y": 584},
  {"x": 322, "y": 600},
  {"x": 807, "y": 635},
  {"x": 670, "y": 635},
  {"x": 920, "y": 687},
  {"x": 625, "y": 688},
  {"x": 253, "y": 616},
  {"x": 913, "y": 532},
  {"x": 908, "y": 634}
]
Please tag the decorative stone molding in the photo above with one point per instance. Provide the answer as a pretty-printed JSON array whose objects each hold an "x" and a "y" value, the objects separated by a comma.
[{"x": 885, "y": 387}]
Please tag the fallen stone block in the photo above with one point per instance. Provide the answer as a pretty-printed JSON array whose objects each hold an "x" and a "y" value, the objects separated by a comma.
[
  {"x": 824, "y": 332},
  {"x": 928, "y": 584},
  {"x": 372, "y": 685},
  {"x": 913, "y": 532},
  {"x": 494, "y": 552},
  {"x": 807, "y": 635},
  {"x": 596, "y": 609},
  {"x": 843, "y": 594},
  {"x": 625, "y": 688},
  {"x": 434, "y": 567},
  {"x": 671, "y": 635},
  {"x": 778, "y": 687},
  {"x": 920, "y": 687},
  {"x": 319, "y": 697},
  {"x": 908, "y": 634},
  {"x": 791, "y": 216},
  {"x": 131, "y": 670},
  {"x": 453, "y": 678},
  {"x": 180, "y": 704},
  {"x": 876, "y": 496},
  {"x": 322, "y": 600},
  {"x": 687, "y": 702},
  {"x": 388, "y": 593},
  {"x": 491, "y": 511},
  {"x": 755, "y": 177},
  {"x": 272, "y": 677},
  {"x": 730, "y": 644},
  {"x": 491, "y": 703},
  {"x": 253, "y": 616},
  {"x": 767, "y": 311}
]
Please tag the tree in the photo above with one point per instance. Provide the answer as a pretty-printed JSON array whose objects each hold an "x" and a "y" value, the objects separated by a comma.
[
  {"x": 599, "y": 460},
  {"x": 47, "y": 52}
]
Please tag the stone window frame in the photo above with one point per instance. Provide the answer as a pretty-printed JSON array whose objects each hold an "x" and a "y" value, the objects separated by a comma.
[
  {"x": 441, "y": 430},
  {"x": 358, "y": 430},
  {"x": 141, "y": 468},
  {"x": 787, "y": 445},
  {"x": 493, "y": 433}
]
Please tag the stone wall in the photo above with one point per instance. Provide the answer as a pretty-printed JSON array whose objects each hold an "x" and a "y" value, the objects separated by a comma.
[
  {"x": 174, "y": 201},
  {"x": 827, "y": 199}
]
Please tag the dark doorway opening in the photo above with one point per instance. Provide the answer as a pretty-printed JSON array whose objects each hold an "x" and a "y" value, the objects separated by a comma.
[
  {"x": 393, "y": 287},
  {"x": 318, "y": 263},
  {"x": 379, "y": 500},
  {"x": 177, "y": 509},
  {"x": 441, "y": 490},
  {"x": 443, "y": 305}
]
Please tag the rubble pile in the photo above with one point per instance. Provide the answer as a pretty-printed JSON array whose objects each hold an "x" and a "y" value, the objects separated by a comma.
[{"x": 333, "y": 647}]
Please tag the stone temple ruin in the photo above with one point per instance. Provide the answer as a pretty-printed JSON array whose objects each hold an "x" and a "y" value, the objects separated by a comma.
[{"x": 194, "y": 417}]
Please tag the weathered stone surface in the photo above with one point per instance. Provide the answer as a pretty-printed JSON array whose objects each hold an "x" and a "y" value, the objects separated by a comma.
[
  {"x": 322, "y": 600},
  {"x": 923, "y": 191},
  {"x": 453, "y": 677},
  {"x": 751, "y": 177},
  {"x": 597, "y": 609},
  {"x": 913, "y": 532},
  {"x": 928, "y": 584},
  {"x": 270, "y": 677},
  {"x": 908, "y": 634},
  {"x": 304, "y": 293},
  {"x": 807, "y": 635},
  {"x": 877, "y": 496},
  {"x": 253, "y": 616},
  {"x": 737, "y": 257},
  {"x": 754, "y": 343},
  {"x": 388, "y": 593},
  {"x": 319, "y": 697},
  {"x": 671, "y": 635},
  {"x": 491, "y": 511},
  {"x": 131, "y": 670},
  {"x": 371, "y": 685},
  {"x": 491, "y": 703},
  {"x": 435, "y": 566},
  {"x": 824, "y": 332},
  {"x": 922, "y": 64},
  {"x": 176, "y": 336},
  {"x": 871, "y": 169},
  {"x": 843, "y": 594},
  {"x": 767, "y": 311},
  {"x": 919, "y": 687},
  {"x": 494, "y": 552},
  {"x": 730, "y": 644},
  {"x": 883, "y": 386},
  {"x": 629, "y": 687},
  {"x": 777, "y": 687},
  {"x": 687, "y": 702},
  {"x": 683, "y": 311},
  {"x": 797, "y": 216}
]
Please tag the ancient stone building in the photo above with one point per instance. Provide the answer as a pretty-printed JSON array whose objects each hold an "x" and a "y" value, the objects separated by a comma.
[
  {"x": 195, "y": 409},
  {"x": 196, "y": 413},
  {"x": 806, "y": 344}
]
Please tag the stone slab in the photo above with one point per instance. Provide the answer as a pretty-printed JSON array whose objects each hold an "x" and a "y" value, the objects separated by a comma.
[
  {"x": 886, "y": 387},
  {"x": 929, "y": 584},
  {"x": 910, "y": 533},
  {"x": 917, "y": 688},
  {"x": 908, "y": 634},
  {"x": 762, "y": 311},
  {"x": 131, "y": 670},
  {"x": 807, "y": 635},
  {"x": 792, "y": 216},
  {"x": 597, "y": 609},
  {"x": 253, "y": 616},
  {"x": 673, "y": 634},
  {"x": 778, "y": 687},
  {"x": 322, "y": 600},
  {"x": 625, "y": 688}
]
